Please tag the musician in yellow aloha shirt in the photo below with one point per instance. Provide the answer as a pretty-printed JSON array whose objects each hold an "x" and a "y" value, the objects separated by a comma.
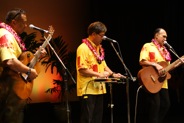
[
  {"x": 86, "y": 60},
  {"x": 11, "y": 47},
  {"x": 151, "y": 53},
  {"x": 90, "y": 64}
]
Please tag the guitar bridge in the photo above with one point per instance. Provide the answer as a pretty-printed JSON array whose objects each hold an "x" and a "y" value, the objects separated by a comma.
[{"x": 152, "y": 78}]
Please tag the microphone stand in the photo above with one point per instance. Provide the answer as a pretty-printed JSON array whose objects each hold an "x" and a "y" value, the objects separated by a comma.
[
  {"x": 111, "y": 105},
  {"x": 128, "y": 73},
  {"x": 174, "y": 52},
  {"x": 66, "y": 83}
]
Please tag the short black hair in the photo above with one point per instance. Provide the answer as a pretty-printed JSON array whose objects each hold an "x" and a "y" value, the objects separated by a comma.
[
  {"x": 12, "y": 14},
  {"x": 157, "y": 30},
  {"x": 96, "y": 27}
]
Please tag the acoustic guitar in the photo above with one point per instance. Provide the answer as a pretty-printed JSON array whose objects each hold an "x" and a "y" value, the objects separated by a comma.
[
  {"x": 150, "y": 79},
  {"x": 20, "y": 83}
]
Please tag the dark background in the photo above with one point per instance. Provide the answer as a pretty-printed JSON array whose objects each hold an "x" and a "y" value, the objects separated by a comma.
[{"x": 131, "y": 23}]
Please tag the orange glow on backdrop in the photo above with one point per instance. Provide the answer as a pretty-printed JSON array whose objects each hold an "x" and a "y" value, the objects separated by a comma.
[
  {"x": 68, "y": 20},
  {"x": 43, "y": 82}
]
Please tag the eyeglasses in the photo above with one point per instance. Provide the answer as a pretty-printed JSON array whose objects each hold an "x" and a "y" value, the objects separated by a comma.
[{"x": 101, "y": 35}]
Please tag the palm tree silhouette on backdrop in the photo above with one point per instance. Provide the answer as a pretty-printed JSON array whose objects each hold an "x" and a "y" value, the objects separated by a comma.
[{"x": 50, "y": 61}]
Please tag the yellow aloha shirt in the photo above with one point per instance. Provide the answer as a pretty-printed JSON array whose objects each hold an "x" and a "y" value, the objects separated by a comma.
[
  {"x": 150, "y": 53},
  {"x": 86, "y": 59}
]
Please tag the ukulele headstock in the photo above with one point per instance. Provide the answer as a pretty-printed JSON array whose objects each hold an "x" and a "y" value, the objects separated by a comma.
[{"x": 51, "y": 30}]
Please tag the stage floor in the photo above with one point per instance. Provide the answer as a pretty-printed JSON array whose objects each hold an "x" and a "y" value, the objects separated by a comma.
[{"x": 55, "y": 113}]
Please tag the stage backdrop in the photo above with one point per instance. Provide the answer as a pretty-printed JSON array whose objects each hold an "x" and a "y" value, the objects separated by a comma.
[{"x": 68, "y": 19}]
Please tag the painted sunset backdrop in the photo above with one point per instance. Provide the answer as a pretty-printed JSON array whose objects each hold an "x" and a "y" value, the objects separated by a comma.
[
  {"x": 43, "y": 82},
  {"x": 68, "y": 20}
]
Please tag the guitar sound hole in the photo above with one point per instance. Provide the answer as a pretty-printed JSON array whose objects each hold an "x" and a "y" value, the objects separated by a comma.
[
  {"x": 161, "y": 79},
  {"x": 28, "y": 55}
]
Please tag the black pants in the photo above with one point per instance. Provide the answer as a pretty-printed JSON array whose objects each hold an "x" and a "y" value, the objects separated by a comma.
[
  {"x": 11, "y": 106},
  {"x": 154, "y": 107},
  {"x": 91, "y": 109}
]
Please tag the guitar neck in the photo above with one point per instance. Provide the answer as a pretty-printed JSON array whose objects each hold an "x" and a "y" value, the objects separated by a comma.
[
  {"x": 38, "y": 52},
  {"x": 173, "y": 65}
]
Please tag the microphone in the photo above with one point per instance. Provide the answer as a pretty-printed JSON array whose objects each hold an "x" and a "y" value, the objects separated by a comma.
[
  {"x": 166, "y": 44},
  {"x": 37, "y": 28},
  {"x": 109, "y": 39},
  {"x": 172, "y": 50}
]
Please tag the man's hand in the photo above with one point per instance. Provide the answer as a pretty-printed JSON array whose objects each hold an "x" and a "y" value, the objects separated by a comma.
[{"x": 43, "y": 52}]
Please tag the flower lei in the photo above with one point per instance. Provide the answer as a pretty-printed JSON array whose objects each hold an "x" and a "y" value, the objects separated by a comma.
[
  {"x": 18, "y": 39},
  {"x": 165, "y": 54},
  {"x": 100, "y": 57}
]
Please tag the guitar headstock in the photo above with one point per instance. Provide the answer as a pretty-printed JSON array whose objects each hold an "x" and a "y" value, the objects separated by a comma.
[{"x": 51, "y": 30}]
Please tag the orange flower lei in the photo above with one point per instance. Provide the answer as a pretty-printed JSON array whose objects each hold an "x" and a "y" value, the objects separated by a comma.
[
  {"x": 165, "y": 54},
  {"x": 100, "y": 57}
]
